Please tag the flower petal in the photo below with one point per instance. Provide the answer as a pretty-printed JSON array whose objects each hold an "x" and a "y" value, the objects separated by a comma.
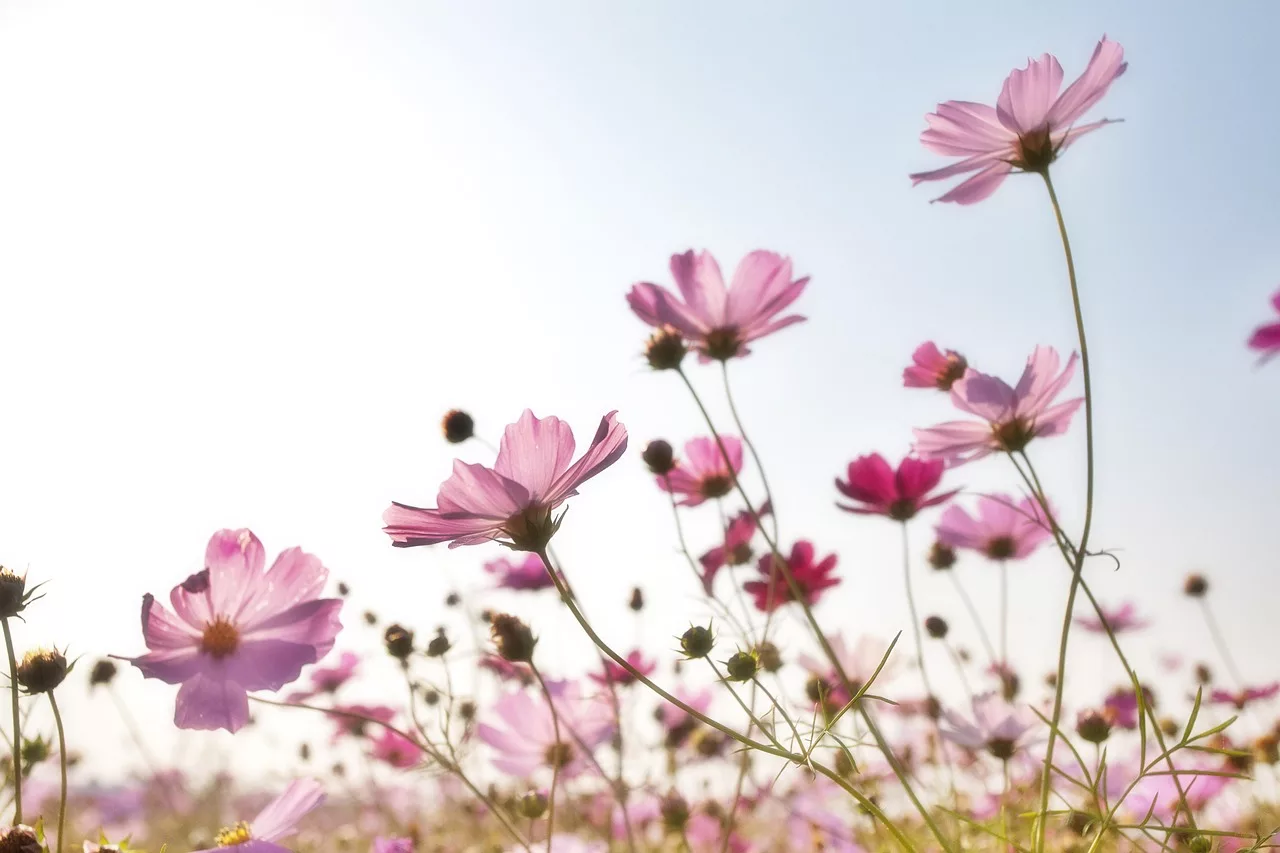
[
  {"x": 702, "y": 286},
  {"x": 1028, "y": 94},
  {"x": 279, "y": 818},
  {"x": 409, "y": 526},
  {"x": 980, "y": 186},
  {"x": 206, "y": 702},
  {"x": 1105, "y": 66},
  {"x": 474, "y": 490},
  {"x": 534, "y": 452},
  {"x": 607, "y": 446}
]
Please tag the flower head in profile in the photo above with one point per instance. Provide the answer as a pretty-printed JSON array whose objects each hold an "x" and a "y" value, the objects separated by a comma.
[
  {"x": 395, "y": 749},
  {"x": 355, "y": 719},
  {"x": 1120, "y": 619},
  {"x": 236, "y": 628},
  {"x": 932, "y": 368},
  {"x": 1011, "y": 417},
  {"x": 721, "y": 321},
  {"x": 524, "y": 739},
  {"x": 736, "y": 550},
  {"x": 1122, "y": 709},
  {"x": 1029, "y": 127},
  {"x": 528, "y": 574},
  {"x": 618, "y": 675},
  {"x": 511, "y": 502},
  {"x": 899, "y": 494},
  {"x": 812, "y": 576},
  {"x": 1240, "y": 698},
  {"x": 704, "y": 473},
  {"x": 1266, "y": 338},
  {"x": 274, "y": 822},
  {"x": 995, "y": 726},
  {"x": 1002, "y": 530}
]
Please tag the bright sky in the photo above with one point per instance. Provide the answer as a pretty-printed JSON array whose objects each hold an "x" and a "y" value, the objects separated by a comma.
[{"x": 251, "y": 251}]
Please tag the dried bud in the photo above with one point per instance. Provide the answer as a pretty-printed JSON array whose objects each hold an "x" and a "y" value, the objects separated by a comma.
[
  {"x": 20, "y": 839},
  {"x": 13, "y": 593},
  {"x": 942, "y": 556},
  {"x": 399, "y": 642},
  {"x": 343, "y": 589},
  {"x": 697, "y": 642},
  {"x": 102, "y": 673},
  {"x": 659, "y": 456},
  {"x": 936, "y": 626},
  {"x": 532, "y": 805},
  {"x": 467, "y": 710},
  {"x": 1093, "y": 726},
  {"x": 513, "y": 639},
  {"x": 665, "y": 349},
  {"x": 439, "y": 645},
  {"x": 458, "y": 426},
  {"x": 742, "y": 666},
  {"x": 452, "y": 600},
  {"x": 42, "y": 670},
  {"x": 675, "y": 812},
  {"x": 431, "y": 697},
  {"x": 1203, "y": 674},
  {"x": 637, "y": 600},
  {"x": 370, "y": 618},
  {"x": 1196, "y": 586},
  {"x": 769, "y": 656}
]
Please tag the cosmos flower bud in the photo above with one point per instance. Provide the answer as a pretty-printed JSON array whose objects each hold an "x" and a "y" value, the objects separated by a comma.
[
  {"x": 34, "y": 751},
  {"x": 769, "y": 656},
  {"x": 844, "y": 764},
  {"x": 816, "y": 689},
  {"x": 659, "y": 456},
  {"x": 20, "y": 839},
  {"x": 452, "y": 600},
  {"x": 532, "y": 805},
  {"x": 343, "y": 589},
  {"x": 637, "y": 600},
  {"x": 1093, "y": 726},
  {"x": 936, "y": 626},
  {"x": 742, "y": 666},
  {"x": 513, "y": 639},
  {"x": 941, "y": 556},
  {"x": 399, "y": 642},
  {"x": 13, "y": 593},
  {"x": 697, "y": 642},
  {"x": 675, "y": 812},
  {"x": 304, "y": 751},
  {"x": 1195, "y": 586},
  {"x": 370, "y": 618},
  {"x": 102, "y": 673},
  {"x": 1169, "y": 727},
  {"x": 1203, "y": 674},
  {"x": 42, "y": 670},
  {"x": 665, "y": 349},
  {"x": 439, "y": 645},
  {"x": 467, "y": 710},
  {"x": 458, "y": 426},
  {"x": 1199, "y": 844}
]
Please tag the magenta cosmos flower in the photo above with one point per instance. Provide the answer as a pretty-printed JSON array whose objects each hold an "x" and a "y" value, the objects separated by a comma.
[
  {"x": 1121, "y": 619},
  {"x": 397, "y": 750},
  {"x": 1266, "y": 339},
  {"x": 528, "y": 574},
  {"x": 1239, "y": 699},
  {"x": 1012, "y": 416},
  {"x": 721, "y": 321},
  {"x": 511, "y": 502},
  {"x": 328, "y": 679},
  {"x": 1003, "y": 529},
  {"x": 896, "y": 494},
  {"x": 526, "y": 741},
  {"x": 1029, "y": 127},
  {"x": 615, "y": 673},
  {"x": 703, "y": 472},
  {"x": 933, "y": 368},
  {"x": 736, "y": 550},
  {"x": 273, "y": 823},
  {"x": 236, "y": 628},
  {"x": 812, "y": 576}
]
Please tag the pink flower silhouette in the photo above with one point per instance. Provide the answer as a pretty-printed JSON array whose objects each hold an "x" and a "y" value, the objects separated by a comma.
[
  {"x": 236, "y": 628},
  {"x": 813, "y": 578},
  {"x": 703, "y": 472},
  {"x": 395, "y": 749},
  {"x": 328, "y": 679},
  {"x": 353, "y": 727},
  {"x": 1013, "y": 416},
  {"x": 273, "y": 823},
  {"x": 995, "y": 726},
  {"x": 511, "y": 502},
  {"x": 896, "y": 494},
  {"x": 721, "y": 321},
  {"x": 1002, "y": 530},
  {"x": 615, "y": 673},
  {"x": 859, "y": 663},
  {"x": 1123, "y": 618},
  {"x": 1266, "y": 338},
  {"x": 736, "y": 550},
  {"x": 1029, "y": 127},
  {"x": 526, "y": 742},
  {"x": 932, "y": 368},
  {"x": 1239, "y": 699},
  {"x": 527, "y": 574}
]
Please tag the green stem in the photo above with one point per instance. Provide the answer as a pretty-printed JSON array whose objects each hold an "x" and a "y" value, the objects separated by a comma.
[
  {"x": 555, "y": 766},
  {"x": 755, "y": 457},
  {"x": 915, "y": 616},
  {"x": 1042, "y": 813},
  {"x": 973, "y": 614},
  {"x": 1004, "y": 615},
  {"x": 17, "y": 725},
  {"x": 62, "y": 767},
  {"x": 1220, "y": 641}
]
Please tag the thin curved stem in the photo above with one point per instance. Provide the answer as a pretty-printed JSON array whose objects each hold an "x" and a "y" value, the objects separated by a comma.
[
  {"x": 1220, "y": 642},
  {"x": 751, "y": 447},
  {"x": 911, "y": 606},
  {"x": 1004, "y": 614},
  {"x": 17, "y": 725},
  {"x": 1076, "y": 569},
  {"x": 62, "y": 769},
  {"x": 973, "y": 614},
  {"x": 555, "y": 765}
]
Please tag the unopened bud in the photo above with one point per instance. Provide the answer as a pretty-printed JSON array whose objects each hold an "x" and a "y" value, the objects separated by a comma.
[
  {"x": 532, "y": 805},
  {"x": 399, "y": 642},
  {"x": 936, "y": 626},
  {"x": 42, "y": 670},
  {"x": 742, "y": 666},
  {"x": 439, "y": 645},
  {"x": 769, "y": 656},
  {"x": 13, "y": 593},
  {"x": 102, "y": 673},
  {"x": 675, "y": 812},
  {"x": 458, "y": 426},
  {"x": 1093, "y": 726},
  {"x": 697, "y": 642},
  {"x": 942, "y": 556},
  {"x": 512, "y": 638},
  {"x": 659, "y": 456},
  {"x": 1196, "y": 586},
  {"x": 665, "y": 349},
  {"x": 637, "y": 600}
]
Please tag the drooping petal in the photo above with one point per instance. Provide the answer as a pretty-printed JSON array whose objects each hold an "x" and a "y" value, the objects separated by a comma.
[
  {"x": 1028, "y": 94},
  {"x": 607, "y": 446},
  {"x": 172, "y": 666},
  {"x": 1105, "y": 66},
  {"x": 409, "y": 526},
  {"x": 206, "y": 702},
  {"x": 534, "y": 452},
  {"x": 753, "y": 333},
  {"x": 282, "y": 814},
  {"x": 962, "y": 167},
  {"x": 474, "y": 490}
]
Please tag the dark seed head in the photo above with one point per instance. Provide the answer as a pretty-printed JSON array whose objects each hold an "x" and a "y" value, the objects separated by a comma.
[{"x": 458, "y": 426}]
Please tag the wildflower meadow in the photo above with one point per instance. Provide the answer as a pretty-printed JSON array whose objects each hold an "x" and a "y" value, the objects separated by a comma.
[{"x": 509, "y": 657}]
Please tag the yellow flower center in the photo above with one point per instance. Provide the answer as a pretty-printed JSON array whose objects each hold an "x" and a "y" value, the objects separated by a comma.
[
  {"x": 233, "y": 835},
  {"x": 220, "y": 638}
]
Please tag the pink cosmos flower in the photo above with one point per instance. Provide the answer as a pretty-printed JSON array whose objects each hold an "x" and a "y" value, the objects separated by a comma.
[
  {"x": 736, "y": 550},
  {"x": 1030, "y": 126},
  {"x": 395, "y": 749},
  {"x": 996, "y": 726},
  {"x": 1013, "y": 416},
  {"x": 354, "y": 727},
  {"x": 1121, "y": 706},
  {"x": 1244, "y": 696},
  {"x": 507, "y": 670},
  {"x": 327, "y": 679},
  {"x": 1003, "y": 529},
  {"x": 674, "y": 718},
  {"x": 273, "y": 823},
  {"x": 896, "y": 494},
  {"x": 703, "y": 472},
  {"x": 392, "y": 845},
  {"x": 1123, "y": 618},
  {"x": 720, "y": 322},
  {"x": 526, "y": 742},
  {"x": 528, "y": 574},
  {"x": 933, "y": 368},
  {"x": 615, "y": 673},
  {"x": 813, "y": 578},
  {"x": 859, "y": 662},
  {"x": 1266, "y": 338},
  {"x": 511, "y": 502},
  {"x": 705, "y": 834},
  {"x": 236, "y": 628}
]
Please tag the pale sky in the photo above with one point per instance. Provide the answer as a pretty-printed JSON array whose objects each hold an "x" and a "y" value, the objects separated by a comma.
[{"x": 250, "y": 252}]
